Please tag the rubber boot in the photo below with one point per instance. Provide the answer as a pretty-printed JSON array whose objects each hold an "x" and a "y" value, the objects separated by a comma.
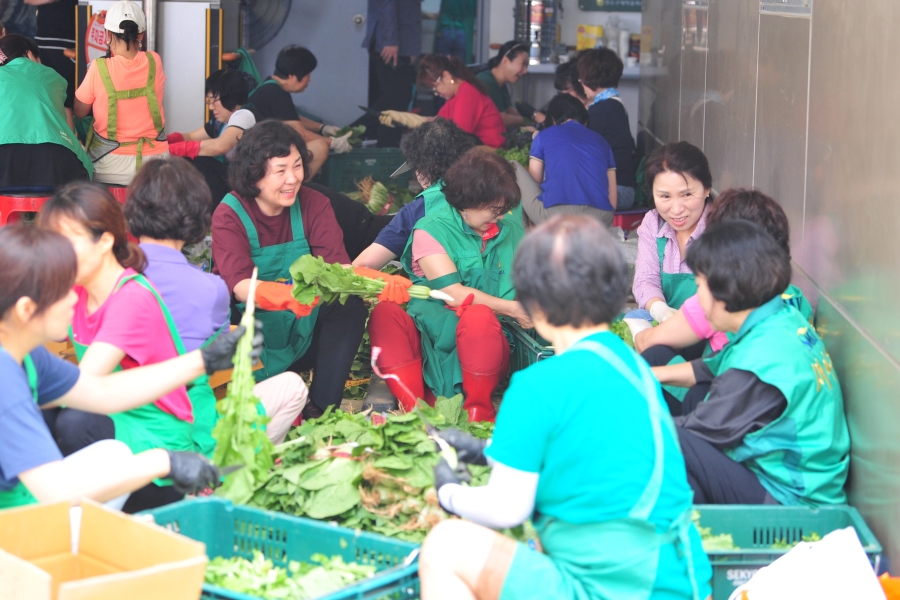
[
  {"x": 478, "y": 388},
  {"x": 411, "y": 376}
]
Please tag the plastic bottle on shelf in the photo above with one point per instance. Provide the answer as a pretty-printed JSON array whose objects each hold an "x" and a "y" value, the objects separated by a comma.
[{"x": 611, "y": 33}]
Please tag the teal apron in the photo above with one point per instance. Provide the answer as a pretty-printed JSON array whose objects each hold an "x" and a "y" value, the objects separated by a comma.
[
  {"x": 287, "y": 337},
  {"x": 148, "y": 427},
  {"x": 613, "y": 559},
  {"x": 677, "y": 287},
  {"x": 19, "y": 495}
]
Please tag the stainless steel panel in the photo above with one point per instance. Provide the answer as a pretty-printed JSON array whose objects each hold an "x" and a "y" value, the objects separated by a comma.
[
  {"x": 730, "y": 101},
  {"x": 661, "y": 80},
  {"x": 780, "y": 157},
  {"x": 694, "y": 50},
  {"x": 869, "y": 381}
]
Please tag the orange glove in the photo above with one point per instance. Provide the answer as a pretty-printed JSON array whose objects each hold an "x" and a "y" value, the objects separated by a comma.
[
  {"x": 462, "y": 307},
  {"x": 277, "y": 296},
  {"x": 395, "y": 286}
]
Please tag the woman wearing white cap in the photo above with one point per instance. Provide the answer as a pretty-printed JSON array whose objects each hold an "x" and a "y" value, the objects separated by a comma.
[{"x": 124, "y": 91}]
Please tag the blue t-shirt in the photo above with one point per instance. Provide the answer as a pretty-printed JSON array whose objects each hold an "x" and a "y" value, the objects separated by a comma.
[
  {"x": 396, "y": 234},
  {"x": 25, "y": 441},
  {"x": 576, "y": 161}
]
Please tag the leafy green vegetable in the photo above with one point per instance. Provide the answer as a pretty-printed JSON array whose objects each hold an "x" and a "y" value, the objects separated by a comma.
[
  {"x": 520, "y": 155},
  {"x": 261, "y": 578},
  {"x": 314, "y": 277},
  {"x": 621, "y": 329},
  {"x": 239, "y": 433},
  {"x": 724, "y": 542},
  {"x": 355, "y": 139}
]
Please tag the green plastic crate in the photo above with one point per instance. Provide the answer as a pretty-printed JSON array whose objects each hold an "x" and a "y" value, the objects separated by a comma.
[
  {"x": 229, "y": 530},
  {"x": 341, "y": 171},
  {"x": 756, "y": 528},
  {"x": 526, "y": 347}
]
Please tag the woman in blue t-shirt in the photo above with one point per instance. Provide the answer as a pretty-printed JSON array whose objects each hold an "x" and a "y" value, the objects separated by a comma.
[
  {"x": 574, "y": 165},
  {"x": 36, "y": 306},
  {"x": 625, "y": 531}
]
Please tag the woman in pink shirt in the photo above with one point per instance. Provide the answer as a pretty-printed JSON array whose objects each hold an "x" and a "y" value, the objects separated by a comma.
[
  {"x": 468, "y": 104},
  {"x": 120, "y": 323}
]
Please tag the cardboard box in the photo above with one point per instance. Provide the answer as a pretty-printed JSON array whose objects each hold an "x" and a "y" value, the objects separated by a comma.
[{"x": 114, "y": 556}]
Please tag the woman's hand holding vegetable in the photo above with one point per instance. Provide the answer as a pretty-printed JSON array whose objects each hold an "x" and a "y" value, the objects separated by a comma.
[
  {"x": 469, "y": 449},
  {"x": 219, "y": 354},
  {"x": 660, "y": 311},
  {"x": 271, "y": 295},
  {"x": 395, "y": 286},
  {"x": 191, "y": 472}
]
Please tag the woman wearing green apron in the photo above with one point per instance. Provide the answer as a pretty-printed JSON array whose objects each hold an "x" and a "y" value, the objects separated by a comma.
[
  {"x": 465, "y": 249},
  {"x": 120, "y": 322},
  {"x": 660, "y": 345},
  {"x": 268, "y": 222},
  {"x": 624, "y": 532},
  {"x": 679, "y": 176},
  {"x": 772, "y": 428},
  {"x": 36, "y": 305}
]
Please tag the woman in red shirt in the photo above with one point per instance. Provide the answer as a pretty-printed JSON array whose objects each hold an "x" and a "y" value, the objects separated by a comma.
[{"x": 468, "y": 104}]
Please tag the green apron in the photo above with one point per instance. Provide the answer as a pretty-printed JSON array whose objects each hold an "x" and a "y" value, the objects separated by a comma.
[
  {"x": 489, "y": 271},
  {"x": 99, "y": 146},
  {"x": 19, "y": 495},
  {"x": 677, "y": 287},
  {"x": 148, "y": 427},
  {"x": 287, "y": 337},
  {"x": 37, "y": 93},
  {"x": 801, "y": 457},
  {"x": 617, "y": 558}
]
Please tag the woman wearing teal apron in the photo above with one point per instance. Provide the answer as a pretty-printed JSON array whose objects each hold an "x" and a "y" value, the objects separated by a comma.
[
  {"x": 772, "y": 428},
  {"x": 626, "y": 531},
  {"x": 660, "y": 345},
  {"x": 465, "y": 248},
  {"x": 268, "y": 222},
  {"x": 36, "y": 304}
]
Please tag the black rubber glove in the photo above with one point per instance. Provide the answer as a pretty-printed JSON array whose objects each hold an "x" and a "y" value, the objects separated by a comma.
[
  {"x": 191, "y": 472},
  {"x": 219, "y": 355},
  {"x": 444, "y": 475},
  {"x": 469, "y": 449}
]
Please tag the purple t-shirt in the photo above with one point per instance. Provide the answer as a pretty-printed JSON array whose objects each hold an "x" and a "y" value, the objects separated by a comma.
[{"x": 198, "y": 301}]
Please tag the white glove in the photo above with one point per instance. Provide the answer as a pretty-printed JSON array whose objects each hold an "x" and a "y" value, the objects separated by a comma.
[
  {"x": 662, "y": 312},
  {"x": 637, "y": 325},
  {"x": 391, "y": 117},
  {"x": 341, "y": 145},
  {"x": 330, "y": 130}
]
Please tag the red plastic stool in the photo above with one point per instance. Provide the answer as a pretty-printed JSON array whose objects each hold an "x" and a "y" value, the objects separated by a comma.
[
  {"x": 10, "y": 205},
  {"x": 118, "y": 192},
  {"x": 629, "y": 220}
]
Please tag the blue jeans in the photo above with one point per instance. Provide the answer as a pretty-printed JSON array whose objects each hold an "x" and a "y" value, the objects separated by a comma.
[
  {"x": 625, "y": 198},
  {"x": 451, "y": 42}
]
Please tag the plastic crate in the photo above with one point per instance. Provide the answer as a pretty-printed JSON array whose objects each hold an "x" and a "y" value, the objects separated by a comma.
[
  {"x": 525, "y": 345},
  {"x": 756, "y": 528},
  {"x": 229, "y": 530},
  {"x": 341, "y": 171}
]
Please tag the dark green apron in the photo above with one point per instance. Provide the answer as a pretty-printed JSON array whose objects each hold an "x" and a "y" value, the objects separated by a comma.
[
  {"x": 677, "y": 287},
  {"x": 287, "y": 337}
]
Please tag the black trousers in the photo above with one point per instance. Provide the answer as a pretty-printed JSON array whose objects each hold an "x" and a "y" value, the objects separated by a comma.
[
  {"x": 659, "y": 356},
  {"x": 74, "y": 430},
  {"x": 359, "y": 226},
  {"x": 390, "y": 88},
  {"x": 717, "y": 479},
  {"x": 336, "y": 338},
  {"x": 215, "y": 172}
]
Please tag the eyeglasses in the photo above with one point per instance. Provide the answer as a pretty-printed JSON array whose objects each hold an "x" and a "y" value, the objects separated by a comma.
[
  {"x": 211, "y": 100},
  {"x": 496, "y": 211}
]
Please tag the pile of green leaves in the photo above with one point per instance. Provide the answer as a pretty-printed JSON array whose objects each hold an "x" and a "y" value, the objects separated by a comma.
[
  {"x": 520, "y": 155},
  {"x": 621, "y": 329},
  {"x": 239, "y": 433},
  {"x": 377, "y": 478},
  {"x": 724, "y": 542},
  {"x": 312, "y": 277},
  {"x": 356, "y": 138},
  {"x": 300, "y": 581}
]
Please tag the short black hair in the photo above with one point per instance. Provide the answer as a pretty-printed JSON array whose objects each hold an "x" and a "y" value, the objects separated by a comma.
[
  {"x": 564, "y": 107},
  {"x": 15, "y": 46},
  {"x": 743, "y": 265},
  {"x": 600, "y": 68},
  {"x": 510, "y": 50},
  {"x": 229, "y": 86},
  {"x": 433, "y": 147},
  {"x": 683, "y": 158},
  {"x": 295, "y": 60},
  {"x": 169, "y": 200},
  {"x": 571, "y": 270},
  {"x": 265, "y": 140},
  {"x": 566, "y": 78},
  {"x": 481, "y": 178}
]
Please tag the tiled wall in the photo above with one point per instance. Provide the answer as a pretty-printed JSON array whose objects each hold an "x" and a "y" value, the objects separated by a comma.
[{"x": 799, "y": 98}]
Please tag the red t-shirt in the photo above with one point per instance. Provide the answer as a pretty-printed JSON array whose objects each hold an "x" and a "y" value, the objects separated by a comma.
[
  {"x": 231, "y": 246},
  {"x": 132, "y": 321},
  {"x": 476, "y": 113}
]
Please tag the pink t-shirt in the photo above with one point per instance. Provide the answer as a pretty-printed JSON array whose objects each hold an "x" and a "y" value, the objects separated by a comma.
[
  {"x": 693, "y": 312},
  {"x": 132, "y": 321}
]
